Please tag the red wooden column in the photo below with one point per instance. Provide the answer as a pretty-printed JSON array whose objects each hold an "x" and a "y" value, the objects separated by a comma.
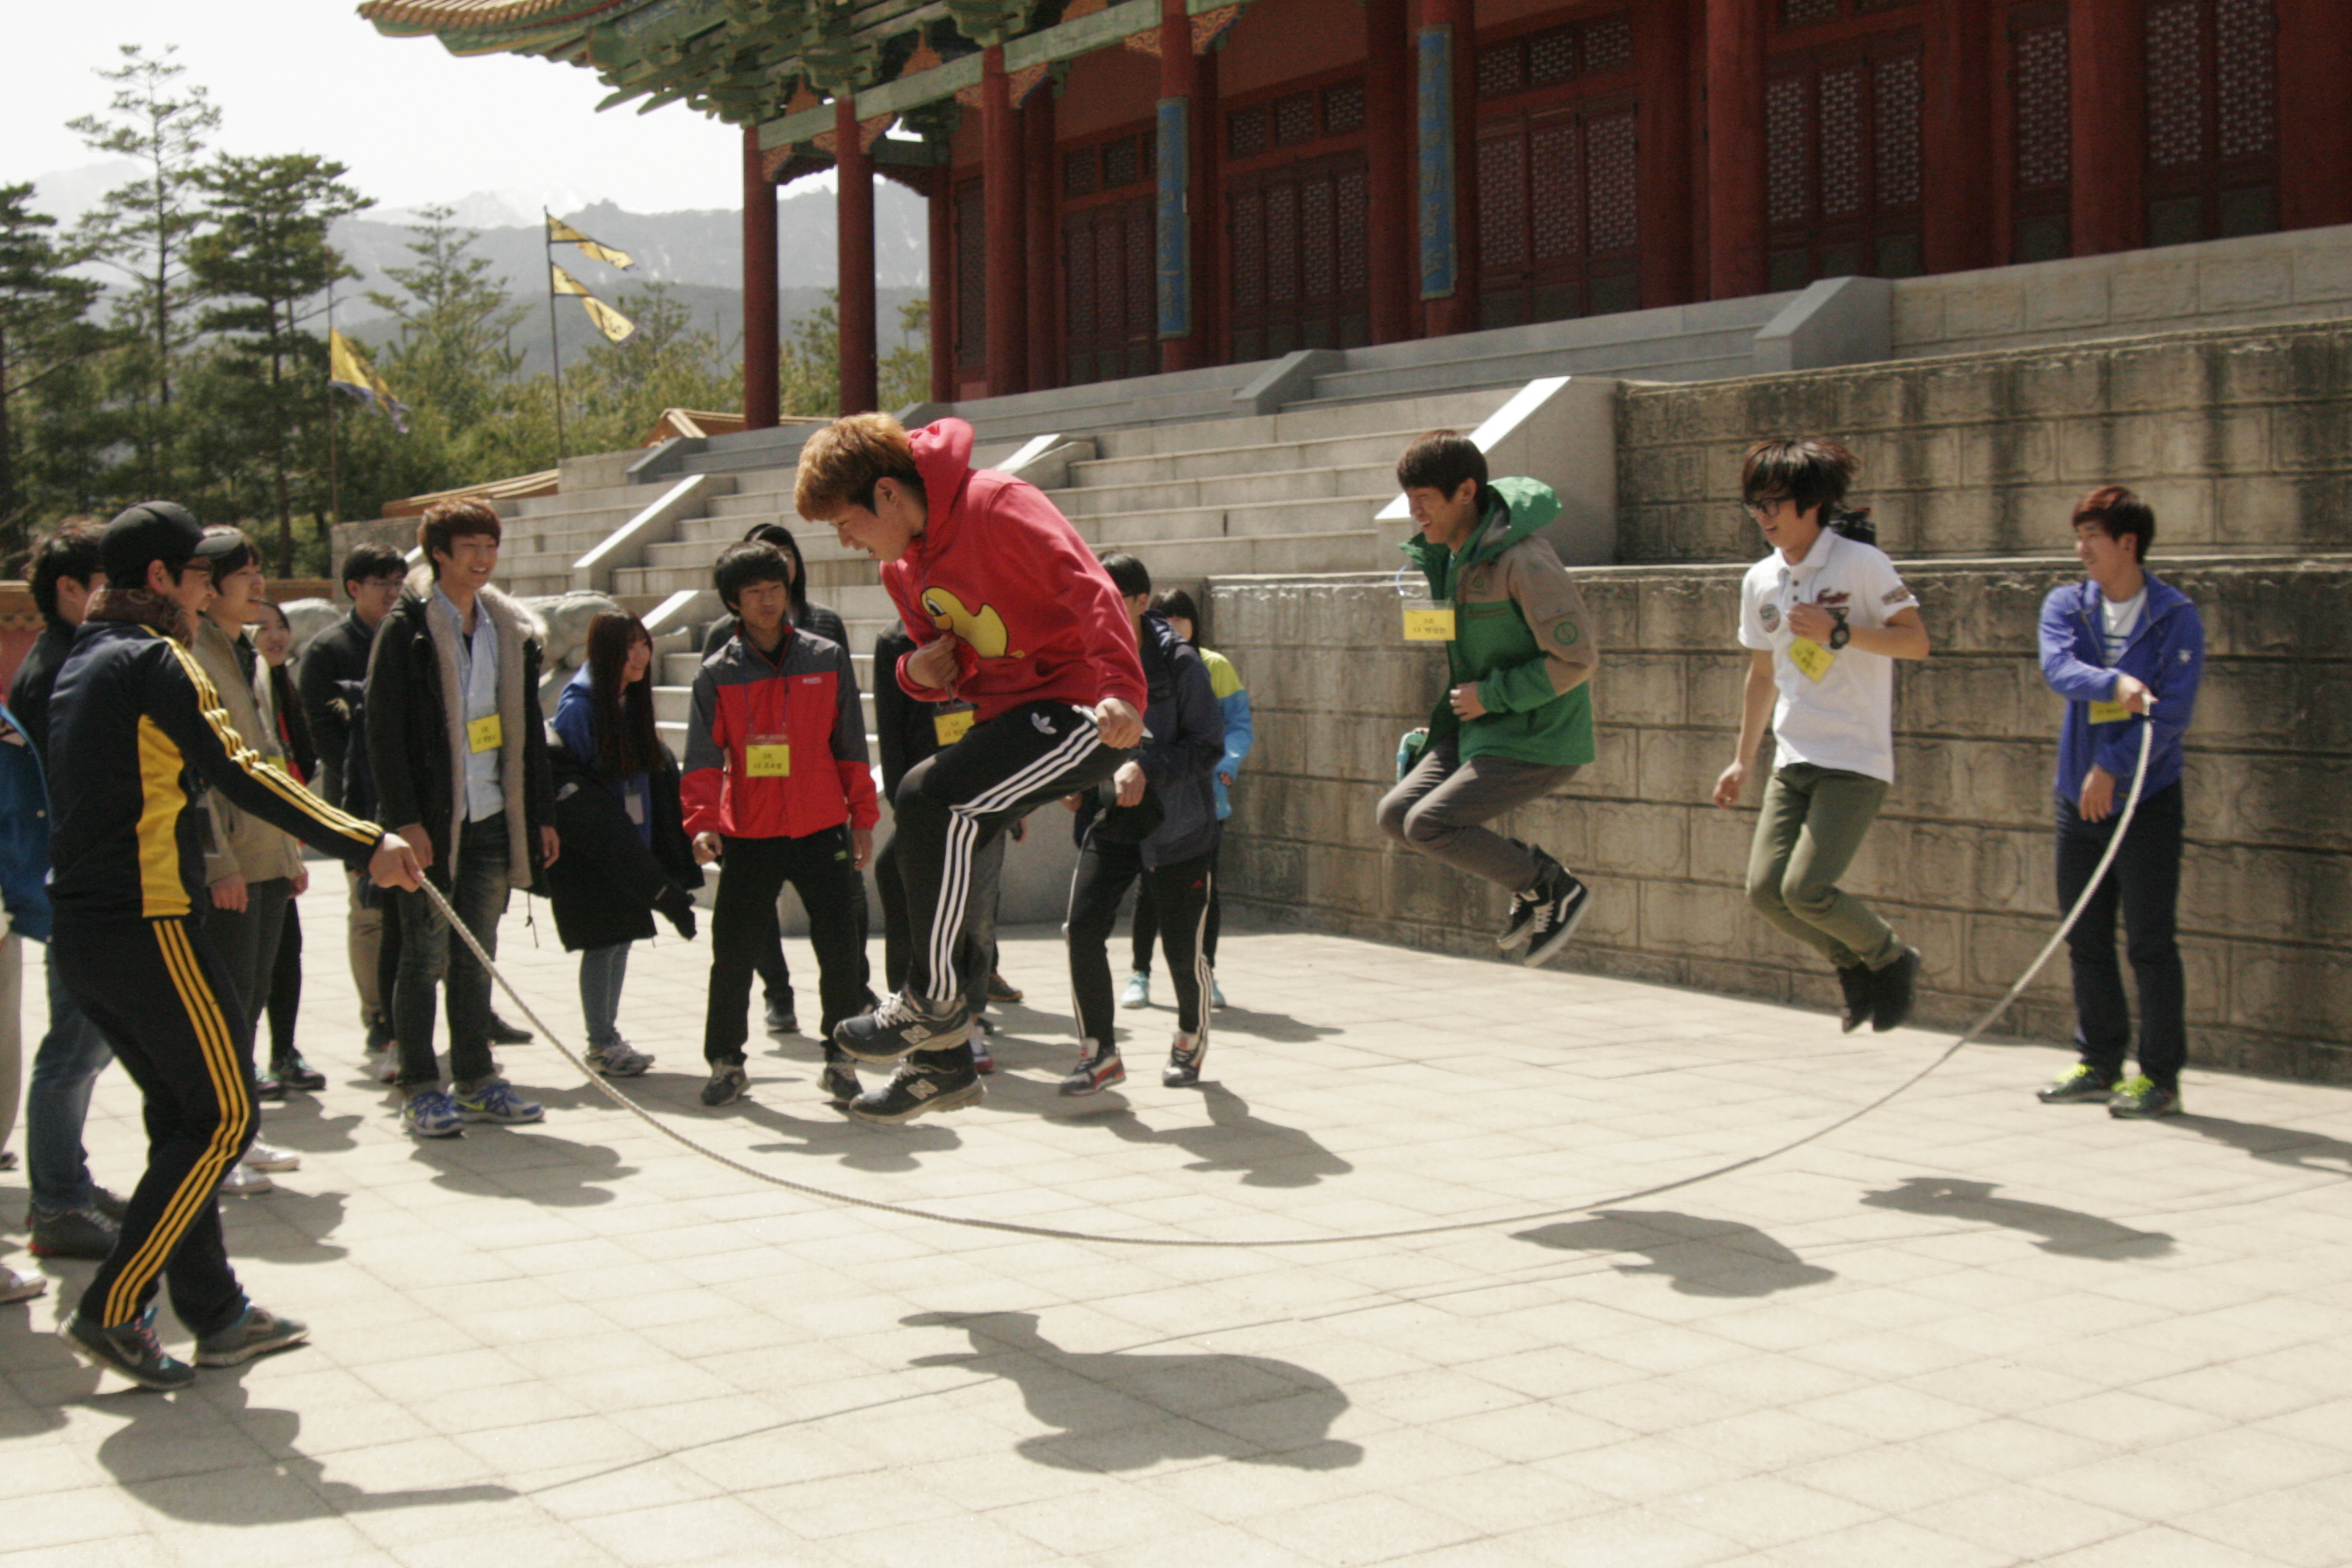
[
  {"x": 941, "y": 198},
  {"x": 1388, "y": 157},
  {"x": 1451, "y": 25},
  {"x": 1007, "y": 275},
  {"x": 1736, "y": 227},
  {"x": 1957, "y": 184},
  {"x": 2315, "y": 63},
  {"x": 760, "y": 362},
  {"x": 1662, "y": 45},
  {"x": 1180, "y": 92},
  {"x": 1208, "y": 213},
  {"x": 853, "y": 212},
  {"x": 2105, "y": 51},
  {"x": 1040, "y": 180}
]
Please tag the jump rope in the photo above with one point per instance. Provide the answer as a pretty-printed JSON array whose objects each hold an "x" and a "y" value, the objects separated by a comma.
[{"x": 1053, "y": 1233}]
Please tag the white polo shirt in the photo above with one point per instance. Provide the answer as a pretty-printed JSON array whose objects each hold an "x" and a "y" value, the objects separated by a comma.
[{"x": 1845, "y": 719}]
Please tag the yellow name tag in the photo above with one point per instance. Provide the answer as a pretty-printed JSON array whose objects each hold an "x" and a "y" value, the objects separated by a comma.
[
  {"x": 952, "y": 725},
  {"x": 1811, "y": 657},
  {"x": 1429, "y": 625},
  {"x": 765, "y": 758},
  {"x": 2109, "y": 712},
  {"x": 485, "y": 734}
]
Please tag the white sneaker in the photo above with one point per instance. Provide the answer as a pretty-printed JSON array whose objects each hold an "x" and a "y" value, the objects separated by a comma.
[
  {"x": 271, "y": 1157},
  {"x": 1216, "y": 994},
  {"x": 385, "y": 1066},
  {"x": 244, "y": 1182},
  {"x": 15, "y": 1286},
  {"x": 1139, "y": 991}
]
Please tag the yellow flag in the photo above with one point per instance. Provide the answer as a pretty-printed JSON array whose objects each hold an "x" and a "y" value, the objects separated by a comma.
[
  {"x": 562, "y": 233},
  {"x": 567, "y": 284},
  {"x": 348, "y": 371},
  {"x": 615, "y": 326}
]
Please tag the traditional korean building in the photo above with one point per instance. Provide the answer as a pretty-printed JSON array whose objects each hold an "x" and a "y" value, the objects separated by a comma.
[{"x": 1116, "y": 189}]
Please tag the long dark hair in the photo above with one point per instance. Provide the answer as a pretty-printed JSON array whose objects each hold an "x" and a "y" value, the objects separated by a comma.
[{"x": 626, "y": 742}]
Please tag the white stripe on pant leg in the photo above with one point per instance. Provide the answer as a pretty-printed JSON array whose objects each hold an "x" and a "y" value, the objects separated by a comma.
[
  {"x": 1077, "y": 1014},
  {"x": 963, "y": 833},
  {"x": 1206, "y": 975}
]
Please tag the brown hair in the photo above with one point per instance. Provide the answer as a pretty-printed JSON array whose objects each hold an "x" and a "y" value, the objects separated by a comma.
[
  {"x": 1808, "y": 470},
  {"x": 841, "y": 463},
  {"x": 447, "y": 522},
  {"x": 1442, "y": 460},
  {"x": 626, "y": 743},
  {"x": 2119, "y": 515}
]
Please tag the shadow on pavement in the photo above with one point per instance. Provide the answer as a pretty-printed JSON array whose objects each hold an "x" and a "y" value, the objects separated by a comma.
[
  {"x": 2275, "y": 1145},
  {"x": 208, "y": 1458},
  {"x": 2067, "y": 1231},
  {"x": 1267, "y": 1153},
  {"x": 510, "y": 1162},
  {"x": 286, "y": 1226},
  {"x": 1123, "y": 1410},
  {"x": 1698, "y": 1256},
  {"x": 302, "y": 1124},
  {"x": 818, "y": 1128}
]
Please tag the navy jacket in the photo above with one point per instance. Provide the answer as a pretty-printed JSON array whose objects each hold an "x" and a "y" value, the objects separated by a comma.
[
  {"x": 1183, "y": 741},
  {"x": 2166, "y": 651},
  {"x": 23, "y": 831}
]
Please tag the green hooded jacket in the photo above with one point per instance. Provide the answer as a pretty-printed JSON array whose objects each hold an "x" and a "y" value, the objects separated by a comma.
[{"x": 1520, "y": 633}]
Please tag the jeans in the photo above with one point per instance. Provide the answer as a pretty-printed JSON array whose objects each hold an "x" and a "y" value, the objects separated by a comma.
[
  {"x": 1440, "y": 807},
  {"x": 248, "y": 940},
  {"x": 1808, "y": 832},
  {"x": 602, "y": 971},
  {"x": 2144, "y": 885},
  {"x": 71, "y": 1055},
  {"x": 478, "y": 892}
]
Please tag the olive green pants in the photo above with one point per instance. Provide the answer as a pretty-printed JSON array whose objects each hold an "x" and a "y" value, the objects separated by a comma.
[{"x": 1808, "y": 834}]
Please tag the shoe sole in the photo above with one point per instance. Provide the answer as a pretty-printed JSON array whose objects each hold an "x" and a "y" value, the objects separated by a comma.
[
  {"x": 1081, "y": 1092},
  {"x": 102, "y": 1354},
  {"x": 1539, "y": 956},
  {"x": 2099, "y": 1098},
  {"x": 2122, "y": 1115},
  {"x": 250, "y": 1190},
  {"x": 243, "y": 1354},
  {"x": 478, "y": 1117},
  {"x": 876, "y": 1055},
  {"x": 1170, "y": 1078},
  {"x": 1509, "y": 940},
  {"x": 953, "y": 1100}
]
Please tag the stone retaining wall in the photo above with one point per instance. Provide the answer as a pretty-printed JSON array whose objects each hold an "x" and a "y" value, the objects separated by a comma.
[{"x": 1961, "y": 859}]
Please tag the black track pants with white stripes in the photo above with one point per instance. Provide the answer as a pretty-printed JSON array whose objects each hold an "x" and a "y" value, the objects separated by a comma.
[{"x": 953, "y": 805}]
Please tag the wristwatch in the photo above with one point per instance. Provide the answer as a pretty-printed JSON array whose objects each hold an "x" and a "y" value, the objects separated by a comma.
[{"x": 1840, "y": 635}]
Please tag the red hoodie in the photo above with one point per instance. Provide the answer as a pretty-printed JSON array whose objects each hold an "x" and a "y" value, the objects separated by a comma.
[{"x": 997, "y": 564}]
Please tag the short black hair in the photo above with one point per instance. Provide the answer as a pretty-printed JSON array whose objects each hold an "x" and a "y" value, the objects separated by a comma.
[
  {"x": 1809, "y": 471},
  {"x": 71, "y": 551},
  {"x": 2120, "y": 515},
  {"x": 225, "y": 549},
  {"x": 1440, "y": 460},
  {"x": 1176, "y": 605},
  {"x": 1130, "y": 575},
  {"x": 366, "y": 563},
  {"x": 777, "y": 534},
  {"x": 739, "y": 566}
]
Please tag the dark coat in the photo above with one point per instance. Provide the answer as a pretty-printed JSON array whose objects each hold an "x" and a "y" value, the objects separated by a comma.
[
  {"x": 336, "y": 655},
  {"x": 603, "y": 884},
  {"x": 28, "y": 693},
  {"x": 410, "y": 741}
]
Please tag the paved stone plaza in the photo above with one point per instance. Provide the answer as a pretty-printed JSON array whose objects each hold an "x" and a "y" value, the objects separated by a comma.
[{"x": 1966, "y": 1329}]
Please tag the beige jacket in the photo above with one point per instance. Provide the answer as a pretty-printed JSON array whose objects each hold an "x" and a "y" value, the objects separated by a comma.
[{"x": 237, "y": 842}]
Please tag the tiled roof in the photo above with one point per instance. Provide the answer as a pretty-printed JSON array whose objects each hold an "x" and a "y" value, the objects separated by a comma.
[{"x": 466, "y": 16}]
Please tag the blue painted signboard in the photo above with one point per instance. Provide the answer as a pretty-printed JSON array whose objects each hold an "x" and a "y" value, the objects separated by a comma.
[
  {"x": 1440, "y": 254},
  {"x": 1175, "y": 236}
]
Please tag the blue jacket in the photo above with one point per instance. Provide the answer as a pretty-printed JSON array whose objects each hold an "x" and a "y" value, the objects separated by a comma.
[
  {"x": 23, "y": 831},
  {"x": 1241, "y": 731},
  {"x": 2166, "y": 651}
]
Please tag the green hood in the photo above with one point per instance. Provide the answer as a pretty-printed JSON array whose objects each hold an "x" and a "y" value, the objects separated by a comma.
[{"x": 1526, "y": 506}]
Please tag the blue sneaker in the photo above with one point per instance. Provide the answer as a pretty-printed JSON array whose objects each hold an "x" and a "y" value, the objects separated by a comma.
[
  {"x": 131, "y": 1349},
  {"x": 430, "y": 1114},
  {"x": 496, "y": 1100}
]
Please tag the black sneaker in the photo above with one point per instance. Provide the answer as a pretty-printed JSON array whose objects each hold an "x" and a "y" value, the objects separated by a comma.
[
  {"x": 1897, "y": 985},
  {"x": 1861, "y": 990},
  {"x": 257, "y": 1332},
  {"x": 1000, "y": 989},
  {"x": 2082, "y": 1084},
  {"x": 292, "y": 1071},
  {"x": 1520, "y": 923},
  {"x": 922, "y": 1084},
  {"x": 131, "y": 1349},
  {"x": 1183, "y": 1068},
  {"x": 899, "y": 1025},
  {"x": 728, "y": 1083},
  {"x": 2139, "y": 1099},
  {"x": 782, "y": 1020},
  {"x": 505, "y": 1033},
  {"x": 839, "y": 1084},
  {"x": 267, "y": 1086},
  {"x": 379, "y": 1036},
  {"x": 70, "y": 1233},
  {"x": 1565, "y": 903},
  {"x": 1094, "y": 1074},
  {"x": 113, "y": 1205}
]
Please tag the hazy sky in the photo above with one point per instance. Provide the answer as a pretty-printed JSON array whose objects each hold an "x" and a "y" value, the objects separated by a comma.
[{"x": 414, "y": 122}]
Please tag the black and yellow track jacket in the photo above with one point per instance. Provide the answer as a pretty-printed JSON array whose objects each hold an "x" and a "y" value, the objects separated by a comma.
[{"x": 135, "y": 730}]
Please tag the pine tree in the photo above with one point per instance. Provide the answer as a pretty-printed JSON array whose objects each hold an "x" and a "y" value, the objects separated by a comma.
[{"x": 43, "y": 335}]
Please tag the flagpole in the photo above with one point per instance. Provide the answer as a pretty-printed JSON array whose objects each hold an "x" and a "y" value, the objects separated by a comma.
[
  {"x": 334, "y": 469},
  {"x": 554, "y": 346}
]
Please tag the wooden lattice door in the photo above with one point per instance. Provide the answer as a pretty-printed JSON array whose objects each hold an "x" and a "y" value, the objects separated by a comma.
[
  {"x": 2212, "y": 119},
  {"x": 1843, "y": 159}
]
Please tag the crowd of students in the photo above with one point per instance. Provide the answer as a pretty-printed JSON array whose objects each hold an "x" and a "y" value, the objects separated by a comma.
[{"x": 166, "y": 772}]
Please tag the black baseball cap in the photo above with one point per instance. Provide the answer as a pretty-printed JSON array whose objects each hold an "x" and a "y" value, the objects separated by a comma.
[{"x": 152, "y": 530}]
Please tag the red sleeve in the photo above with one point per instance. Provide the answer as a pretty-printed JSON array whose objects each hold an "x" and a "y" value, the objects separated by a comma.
[
  {"x": 918, "y": 625},
  {"x": 1054, "y": 554},
  {"x": 702, "y": 786},
  {"x": 857, "y": 786}
]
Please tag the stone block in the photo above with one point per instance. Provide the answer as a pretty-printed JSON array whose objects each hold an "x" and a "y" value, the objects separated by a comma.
[
  {"x": 2302, "y": 613},
  {"x": 1641, "y": 688},
  {"x": 2265, "y": 895},
  {"x": 1956, "y": 392},
  {"x": 2213, "y": 441},
  {"x": 2256, "y": 282},
  {"x": 2093, "y": 451},
  {"x": 2291, "y": 802},
  {"x": 1973, "y": 610},
  {"x": 1613, "y": 918},
  {"x": 1972, "y": 695},
  {"x": 1679, "y": 764},
  {"x": 2067, "y": 299},
  {"x": 2009, "y": 452},
  {"x": 1719, "y": 842},
  {"x": 1918, "y": 326},
  {"x": 1984, "y": 310},
  {"x": 2323, "y": 272},
  {"x": 1689, "y": 610},
  {"x": 2152, "y": 290},
  {"x": 1614, "y": 772},
  {"x": 1999, "y": 949},
  {"x": 2314, "y": 435},
  {"x": 1612, "y": 598},
  {"x": 1713, "y": 684},
  {"x": 2273, "y": 707},
  {"x": 1919, "y": 458},
  {"x": 1971, "y": 781},
  {"x": 1696, "y": 918},
  {"x": 1638, "y": 839},
  {"x": 2290, "y": 990}
]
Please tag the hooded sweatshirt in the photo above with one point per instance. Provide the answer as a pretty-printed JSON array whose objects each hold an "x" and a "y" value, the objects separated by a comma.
[
  {"x": 998, "y": 565},
  {"x": 1520, "y": 634},
  {"x": 2166, "y": 652}
]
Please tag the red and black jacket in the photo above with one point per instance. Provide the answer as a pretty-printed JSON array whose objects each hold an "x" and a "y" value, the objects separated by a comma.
[{"x": 805, "y": 699}]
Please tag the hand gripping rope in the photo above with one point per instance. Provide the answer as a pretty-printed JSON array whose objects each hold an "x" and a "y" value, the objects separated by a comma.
[{"x": 1011, "y": 1227}]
